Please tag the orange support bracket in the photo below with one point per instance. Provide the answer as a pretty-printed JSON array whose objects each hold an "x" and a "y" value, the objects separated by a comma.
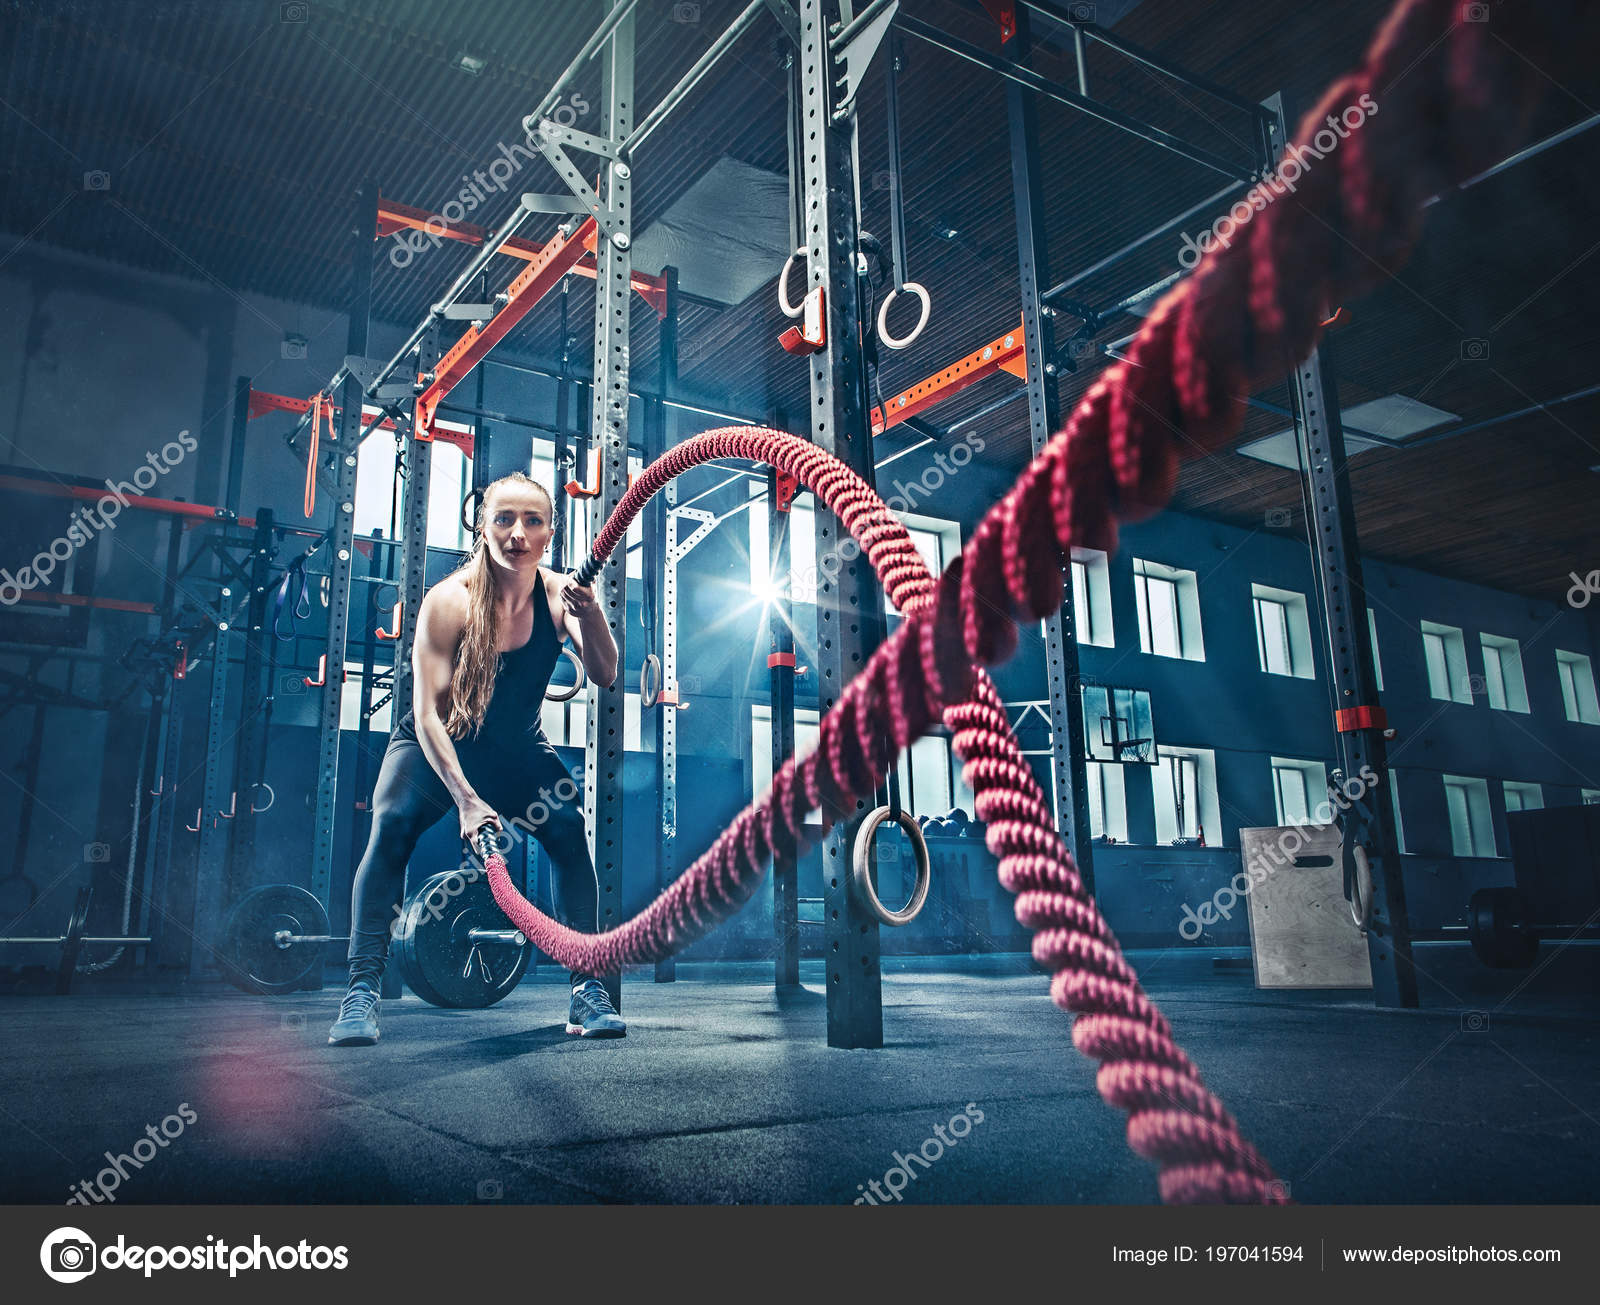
[
  {"x": 322, "y": 674},
  {"x": 394, "y": 631},
  {"x": 1003, "y": 354},
  {"x": 535, "y": 281},
  {"x": 394, "y": 217},
  {"x": 1004, "y": 12},
  {"x": 577, "y": 489}
]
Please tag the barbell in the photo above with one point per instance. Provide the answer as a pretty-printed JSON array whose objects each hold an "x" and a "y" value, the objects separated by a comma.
[
  {"x": 452, "y": 946},
  {"x": 73, "y": 940}
]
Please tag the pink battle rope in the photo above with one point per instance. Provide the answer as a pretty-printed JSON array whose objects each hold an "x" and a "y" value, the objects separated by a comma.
[{"x": 1451, "y": 97}]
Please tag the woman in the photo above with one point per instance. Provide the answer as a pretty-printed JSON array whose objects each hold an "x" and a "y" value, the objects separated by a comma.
[{"x": 488, "y": 637}]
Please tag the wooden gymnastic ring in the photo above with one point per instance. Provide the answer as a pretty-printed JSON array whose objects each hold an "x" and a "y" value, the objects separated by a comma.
[
  {"x": 790, "y": 310},
  {"x": 861, "y": 868},
  {"x": 1361, "y": 889},
  {"x": 572, "y": 691}
]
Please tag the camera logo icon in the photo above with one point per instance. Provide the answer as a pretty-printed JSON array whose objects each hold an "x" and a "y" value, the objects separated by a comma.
[
  {"x": 1475, "y": 350},
  {"x": 490, "y": 1189},
  {"x": 68, "y": 1255},
  {"x": 97, "y": 180},
  {"x": 1279, "y": 518},
  {"x": 95, "y": 853},
  {"x": 293, "y": 13}
]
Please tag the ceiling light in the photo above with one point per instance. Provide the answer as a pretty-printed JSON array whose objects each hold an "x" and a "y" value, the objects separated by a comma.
[
  {"x": 470, "y": 63},
  {"x": 1393, "y": 419}
]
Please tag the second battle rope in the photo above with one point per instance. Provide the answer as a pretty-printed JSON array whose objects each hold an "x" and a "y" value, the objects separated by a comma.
[{"x": 1452, "y": 94}]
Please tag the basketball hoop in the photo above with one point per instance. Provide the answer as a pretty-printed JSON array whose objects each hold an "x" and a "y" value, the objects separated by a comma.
[{"x": 1135, "y": 750}]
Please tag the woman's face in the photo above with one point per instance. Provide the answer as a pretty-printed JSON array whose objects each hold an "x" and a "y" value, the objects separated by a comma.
[{"x": 517, "y": 526}]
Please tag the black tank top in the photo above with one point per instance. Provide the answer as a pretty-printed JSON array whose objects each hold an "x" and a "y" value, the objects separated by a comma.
[{"x": 512, "y": 719}]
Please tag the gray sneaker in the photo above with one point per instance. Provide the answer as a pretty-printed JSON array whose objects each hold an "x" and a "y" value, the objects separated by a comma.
[
  {"x": 357, "y": 1025},
  {"x": 592, "y": 1015}
]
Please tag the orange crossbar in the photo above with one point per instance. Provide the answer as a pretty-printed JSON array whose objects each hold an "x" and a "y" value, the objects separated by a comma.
[
  {"x": 86, "y": 600},
  {"x": 535, "y": 281},
  {"x": 394, "y": 217},
  {"x": 1001, "y": 354},
  {"x": 262, "y": 403},
  {"x": 173, "y": 507}
]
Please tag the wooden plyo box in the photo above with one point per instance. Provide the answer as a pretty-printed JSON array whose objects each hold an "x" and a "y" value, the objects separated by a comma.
[{"x": 1301, "y": 933}]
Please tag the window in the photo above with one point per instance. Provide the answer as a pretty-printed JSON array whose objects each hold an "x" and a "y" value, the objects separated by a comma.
[
  {"x": 1471, "y": 830},
  {"x": 1108, "y": 801},
  {"x": 1577, "y": 687},
  {"x": 1169, "y": 611},
  {"x": 806, "y": 721},
  {"x": 802, "y": 547},
  {"x": 1591, "y": 797},
  {"x": 1185, "y": 783},
  {"x": 1298, "y": 787},
  {"x": 1446, "y": 652},
  {"x": 937, "y": 541},
  {"x": 376, "y": 505},
  {"x": 1523, "y": 797},
  {"x": 1091, "y": 597},
  {"x": 1502, "y": 673},
  {"x": 1377, "y": 662},
  {"x": 924, "y": 771},
  {"x": 567, "y": 723},
  {"x": 350, "y": 700},
  {"x": 1399, "y": 825},
  {"x": 1283, "y": 632}
]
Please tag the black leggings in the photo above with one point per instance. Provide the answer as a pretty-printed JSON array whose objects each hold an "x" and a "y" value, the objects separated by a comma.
[{"x": 530, "y": 786}]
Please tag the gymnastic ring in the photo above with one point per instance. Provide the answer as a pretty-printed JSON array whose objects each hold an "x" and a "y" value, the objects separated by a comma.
[
  {"x": 649, "y": 694},
  {"x": 884, "y": 338},
  {"x": 561, "y": 695},
  {"x": 789, "y": 310},
  {"x": 469, "y": 520},
  {"x": 861, "y": 868},
  {"x": 271, "y": 798},
  {"x": 1361, "y": 889}
]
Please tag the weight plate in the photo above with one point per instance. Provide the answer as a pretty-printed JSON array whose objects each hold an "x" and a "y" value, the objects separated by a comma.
[
  {"x": 72, "y": 942},
  {"x": 437, "y": 959},
  {"x": 1497, "y": 926},
  {"x": 252, "y": 958}
]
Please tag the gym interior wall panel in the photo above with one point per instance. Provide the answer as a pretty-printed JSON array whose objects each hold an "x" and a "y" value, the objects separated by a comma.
[{"x": 113, "y": 364}]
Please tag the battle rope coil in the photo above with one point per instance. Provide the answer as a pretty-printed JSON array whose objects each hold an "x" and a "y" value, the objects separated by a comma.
[{"x": 1451, "y": 92}]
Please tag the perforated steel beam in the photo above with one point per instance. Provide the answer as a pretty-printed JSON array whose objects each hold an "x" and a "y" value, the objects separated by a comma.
[
  {"x": 608, "y": 427},
  {"x": 849, "y": 601}
]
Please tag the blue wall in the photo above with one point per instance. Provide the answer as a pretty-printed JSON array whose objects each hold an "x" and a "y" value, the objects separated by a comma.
[{"x": 171, "y": 349}]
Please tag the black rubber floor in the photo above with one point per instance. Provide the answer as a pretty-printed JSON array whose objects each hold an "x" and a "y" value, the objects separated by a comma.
[{"x": 724, "y": 1091}]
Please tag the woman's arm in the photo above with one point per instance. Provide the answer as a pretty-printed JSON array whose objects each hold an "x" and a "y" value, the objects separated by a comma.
[
  {"x": 589, "y": 631},
  {"x": 440, "y": 622}
]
